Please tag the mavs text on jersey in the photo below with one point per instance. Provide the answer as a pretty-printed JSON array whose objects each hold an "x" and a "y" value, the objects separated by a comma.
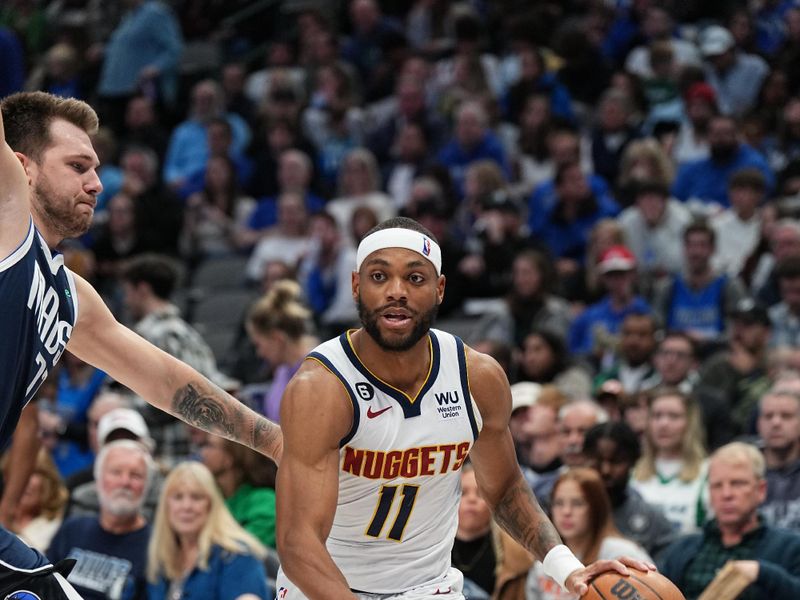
[{"x": 39, "y": 310}]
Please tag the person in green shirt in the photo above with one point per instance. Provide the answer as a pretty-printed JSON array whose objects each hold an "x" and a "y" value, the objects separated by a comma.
[{"x": 247, "y": 481}]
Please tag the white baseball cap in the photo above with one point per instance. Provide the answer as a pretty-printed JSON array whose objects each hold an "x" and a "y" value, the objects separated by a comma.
[
  {"x": 122, "y": 418},
  {"x": 524, "y": 394},
  {"x": 716, "y": 40}
]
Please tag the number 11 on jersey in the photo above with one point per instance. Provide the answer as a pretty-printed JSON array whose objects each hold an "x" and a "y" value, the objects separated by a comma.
[{"x": 386, "y": 495}]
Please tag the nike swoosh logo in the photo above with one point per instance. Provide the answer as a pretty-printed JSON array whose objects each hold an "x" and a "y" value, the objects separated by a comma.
[
  {"x": 372, "y": 415},
  {"x": 439, "y": 592}
]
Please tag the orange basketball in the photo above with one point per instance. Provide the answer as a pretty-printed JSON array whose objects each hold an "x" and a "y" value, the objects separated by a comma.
[{"x": 638, "y": 586}]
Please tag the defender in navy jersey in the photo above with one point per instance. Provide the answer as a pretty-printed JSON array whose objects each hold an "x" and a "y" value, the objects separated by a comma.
[
  {"x": 377, "y": 425},
  {"x": 48, "y": 191}
]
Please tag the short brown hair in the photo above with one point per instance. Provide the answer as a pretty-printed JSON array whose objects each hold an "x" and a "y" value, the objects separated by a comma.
[
  {"x": 700, "y": 226},
  {"x": 27, "y": 117},
  {"x": 749, "y": 178}
]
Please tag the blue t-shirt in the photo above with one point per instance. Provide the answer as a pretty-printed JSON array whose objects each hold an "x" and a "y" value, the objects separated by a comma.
[
  {"x": 707, "y": 180},
  {"x": 228, "y": 576},
  {"x": 110, "y": 566},
  {"x": 697, "y": 311},
  {"x": 601, "y": 315},
  {"x": 39, "y": 310}
]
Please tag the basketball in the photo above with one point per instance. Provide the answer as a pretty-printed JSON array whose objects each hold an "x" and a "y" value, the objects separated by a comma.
[{"x": 638, "y": 586}]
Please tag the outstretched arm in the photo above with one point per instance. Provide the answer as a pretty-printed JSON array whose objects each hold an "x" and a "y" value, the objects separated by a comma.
[
  {"x": 164, "y": 381},
  {"x": 316, "y": 415},
  {"x": 502, "y": 485},
  {"x": 14, "y": 203}
]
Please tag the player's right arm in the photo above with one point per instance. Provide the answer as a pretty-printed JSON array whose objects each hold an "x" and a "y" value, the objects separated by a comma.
[
  {"x": 315, "y": 415},
  {"x": 14, "y": 204}
]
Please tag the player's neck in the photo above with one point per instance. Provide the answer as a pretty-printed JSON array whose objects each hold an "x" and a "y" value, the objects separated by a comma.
[
  {"x": 403, "y": 370},
  {"x": 52, "y": 239}
]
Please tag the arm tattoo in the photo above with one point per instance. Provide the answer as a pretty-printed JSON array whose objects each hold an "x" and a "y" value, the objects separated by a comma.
[
  {"x": 210, "y": 409},
  {"x": 204, "y": 410},
  {"x": 520, "y": 515}
]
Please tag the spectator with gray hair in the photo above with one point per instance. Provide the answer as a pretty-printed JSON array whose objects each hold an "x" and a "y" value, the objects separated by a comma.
[
  {"x": 766, "y": 556},
  {"x": 111, "y": 548},
  {"x": 574, "y": 420},
  {"x": 121, "y": 423}
]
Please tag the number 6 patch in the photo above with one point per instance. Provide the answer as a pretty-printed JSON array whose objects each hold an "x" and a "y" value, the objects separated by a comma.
[{"x": 365, "y": 390}]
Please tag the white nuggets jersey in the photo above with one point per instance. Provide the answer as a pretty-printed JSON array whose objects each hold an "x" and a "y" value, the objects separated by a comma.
[{"x": 399, "y": 469}]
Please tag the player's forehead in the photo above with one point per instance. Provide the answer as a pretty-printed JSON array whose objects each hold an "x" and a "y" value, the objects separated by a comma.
[
  {"x": 397, "y": 258},
  {"x": 67, "y": 139}
]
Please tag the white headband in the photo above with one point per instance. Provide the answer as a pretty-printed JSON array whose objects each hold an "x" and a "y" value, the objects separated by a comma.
[{"x": 400, "y": 238}]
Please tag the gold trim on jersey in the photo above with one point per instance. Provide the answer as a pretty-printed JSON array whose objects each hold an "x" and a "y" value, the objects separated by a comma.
[{"x": 399, "y": 391}]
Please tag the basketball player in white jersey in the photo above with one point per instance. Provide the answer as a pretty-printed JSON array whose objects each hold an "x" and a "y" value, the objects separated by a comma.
[
  {"x": 48, "y": 191},
  {"x": 377, "y": 425}
]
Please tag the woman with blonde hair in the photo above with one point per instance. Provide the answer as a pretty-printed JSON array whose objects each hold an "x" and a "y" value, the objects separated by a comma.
[
  {"x": 643, "y": 160},
  {"x": 279, "y": 325},
  {"x": 581, "y": 512},
  {"x": 40, "y": 510},
  {"x": 672, "y": 472},
  {"x": 196, "y": 549}
]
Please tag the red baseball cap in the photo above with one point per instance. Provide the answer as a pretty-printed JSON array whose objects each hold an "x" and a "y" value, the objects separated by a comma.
[
  {"x": 701, "y": 91},
  {"x": 616, "y": 258}
]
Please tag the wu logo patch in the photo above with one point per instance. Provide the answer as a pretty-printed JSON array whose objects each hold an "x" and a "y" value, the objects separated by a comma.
[
  {"x": 447, "y": 398},
  {"x": 365, "y": 391}
]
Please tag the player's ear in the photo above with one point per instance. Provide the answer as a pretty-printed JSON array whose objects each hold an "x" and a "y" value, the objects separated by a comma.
[
  {"x": 440, "y": 285},
  {"x": 26, "y": 163},
  {"x": 354, "y": 284}
]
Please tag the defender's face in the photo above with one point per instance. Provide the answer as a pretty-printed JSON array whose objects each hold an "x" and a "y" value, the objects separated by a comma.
[
  {"x": 65, "y": 183},
  {"x": 398, "y": 294}
]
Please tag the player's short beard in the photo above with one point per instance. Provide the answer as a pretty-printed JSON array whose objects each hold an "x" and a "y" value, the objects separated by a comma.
[
  {"x": 58, "y": 211},
  {"x": 369, "y": 319}
]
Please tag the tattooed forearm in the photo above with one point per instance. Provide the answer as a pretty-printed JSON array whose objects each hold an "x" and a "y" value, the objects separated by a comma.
[
  {"x": 205, "y": 409},
  {"x": 520, "y": 515},
  {"x": 267, "y": 438},
  {"x": 209, "y": 408}
]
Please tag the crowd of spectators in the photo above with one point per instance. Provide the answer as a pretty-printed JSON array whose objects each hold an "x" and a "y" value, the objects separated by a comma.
[{"x": 615, "y": 186}]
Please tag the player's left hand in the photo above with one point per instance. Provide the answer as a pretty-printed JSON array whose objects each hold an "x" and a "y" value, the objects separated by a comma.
[{"x": 578, "y": 581}]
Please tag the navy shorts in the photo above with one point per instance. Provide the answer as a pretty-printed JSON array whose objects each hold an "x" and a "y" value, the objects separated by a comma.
[{"x": 25, "y": 574}]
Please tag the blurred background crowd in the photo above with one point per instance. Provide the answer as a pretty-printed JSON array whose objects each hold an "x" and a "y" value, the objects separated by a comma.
[{"x": 615, "y": 185}]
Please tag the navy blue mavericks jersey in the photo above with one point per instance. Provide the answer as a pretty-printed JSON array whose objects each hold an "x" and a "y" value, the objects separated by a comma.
[{"x": 38, "y": 310}]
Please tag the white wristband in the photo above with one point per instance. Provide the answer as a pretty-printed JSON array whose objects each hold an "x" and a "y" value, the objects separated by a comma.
[{"x": 559, "y": 563}]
